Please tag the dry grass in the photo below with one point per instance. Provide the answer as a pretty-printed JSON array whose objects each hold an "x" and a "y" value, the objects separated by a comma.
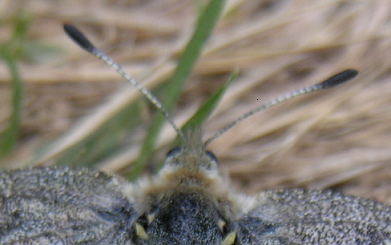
[{"x": 332, "y": 139}]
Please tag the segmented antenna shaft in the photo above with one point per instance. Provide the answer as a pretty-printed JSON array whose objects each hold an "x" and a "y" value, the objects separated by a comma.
[
  {"x": 333, "y": 81},
  {"x": 85, "y": 44}
]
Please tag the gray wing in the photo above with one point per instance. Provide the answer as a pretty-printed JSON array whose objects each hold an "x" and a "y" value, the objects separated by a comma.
[
  {"x": 314, "y": 217},
  {"x": 62, "y": 206}
]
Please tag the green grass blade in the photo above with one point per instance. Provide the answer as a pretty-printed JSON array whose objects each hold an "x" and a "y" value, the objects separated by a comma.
[
  {"x": 206, "y": 22},
  {"x": 207, "y": 108},
  {"x": 10, "y": 51},
  {"x": 11, "y": 135},
  {"x": 18, "y": 42}
]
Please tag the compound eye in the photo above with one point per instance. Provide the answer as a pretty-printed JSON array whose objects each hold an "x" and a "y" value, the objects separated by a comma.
[
  {"x": 211, "y": 156},
  {"x": 173, "y": 152}
]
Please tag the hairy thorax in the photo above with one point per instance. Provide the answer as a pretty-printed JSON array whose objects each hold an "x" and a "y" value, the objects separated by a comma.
[{"x": 184, "y": 209}]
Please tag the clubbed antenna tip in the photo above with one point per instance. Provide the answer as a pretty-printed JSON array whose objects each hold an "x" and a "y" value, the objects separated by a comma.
[
  {"x": 78, "y": 38},
  {"x": 338, "y": 79},
  {"x": 85, "y": 44},
  {"x": 333, "y": 81}
]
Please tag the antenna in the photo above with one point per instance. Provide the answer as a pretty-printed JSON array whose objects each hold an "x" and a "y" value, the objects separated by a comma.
[
  {"x": 85, "y": 44},
  {"x": 333, "y": 81}
]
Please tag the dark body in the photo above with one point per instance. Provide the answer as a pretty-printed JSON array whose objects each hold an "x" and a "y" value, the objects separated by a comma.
[{"x": 185, "y": 218}]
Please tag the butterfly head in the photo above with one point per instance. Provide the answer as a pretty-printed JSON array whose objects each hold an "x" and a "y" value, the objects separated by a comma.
[{"x": 192, "y": 157}]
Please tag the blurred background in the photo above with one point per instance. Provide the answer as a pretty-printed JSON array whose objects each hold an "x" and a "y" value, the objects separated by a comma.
[{"x": 76, "y": 111}]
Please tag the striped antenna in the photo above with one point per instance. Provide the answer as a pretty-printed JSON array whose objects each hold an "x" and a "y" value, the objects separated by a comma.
[
  {"x": 85, "y": 44},
  {"x": 331, "y": 82}
]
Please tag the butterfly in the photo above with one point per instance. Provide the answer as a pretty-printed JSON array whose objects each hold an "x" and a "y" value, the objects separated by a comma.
[{"x": 187, "y": 202}]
